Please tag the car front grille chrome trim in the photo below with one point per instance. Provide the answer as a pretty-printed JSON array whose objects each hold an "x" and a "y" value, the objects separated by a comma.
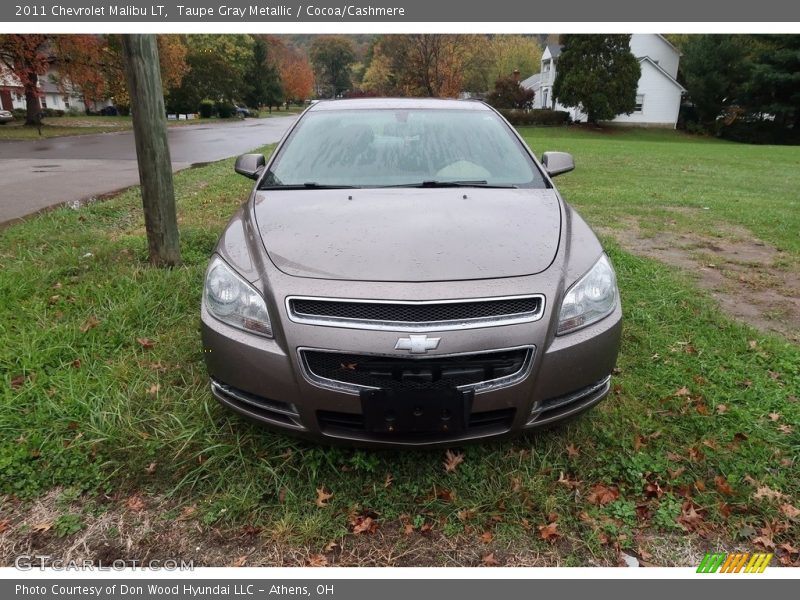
[
  {"x": 477, "y": 387},
  {"x": 474, "y": 306}
]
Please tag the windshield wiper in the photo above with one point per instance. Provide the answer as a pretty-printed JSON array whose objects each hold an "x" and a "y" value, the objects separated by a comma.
[
  {"x": 434, "y": 183},
  {"x": 309, "y": 185}
]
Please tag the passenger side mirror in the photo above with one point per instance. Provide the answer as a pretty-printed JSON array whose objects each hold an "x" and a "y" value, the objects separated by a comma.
[
  {"x": 250, "y": 165},
  {"x": 556, "y": 163}
]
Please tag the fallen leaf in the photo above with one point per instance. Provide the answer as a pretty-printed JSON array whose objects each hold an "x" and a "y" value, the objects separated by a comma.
[
  {"x": 752, "y": 344},
  {"x": 187, "y": 512},
  {"x": 700, "y": 485},
  {"x": 723, "y": 487},
  {"x": 42, "y": 526},
  {"x": 364, "y": 524},
  {"x": 445, "y": 495},
  {"x": 516, "y": 484},
  {"x": 773, "y": 416},
  {"x": 572, "y": 451},
  {"x": 789, "y": 549},
  {"x": 76, "y": 363},
  {"x": 154, "y": 389},
  {"x": 322, "y": 497},
  {"x": 696, "y": 454},
  {"x": 787, "y": 429},
  {"x": 549, "y": 533},
  {"x": 330, "y": 547},
  {"x": 17, "y": 382},
  {"x": 53, "y": 299},
  {"x": 487, "y": 536},
  {"x": 452, "y": 460},
  {"x": 768, "y": 493},
  {"x": 790, "y": 511},
  {"x": 638, "y": 442},
  {"x": 388, "y": 480},
  {"x": 239, "y": 562},
  {"x": 135, "y": 503},
  {"x": 684, "y": 391},
  {"x": 602, "y": 494},
  {"x": 489, "y": 560},
  {"x": 764, "y": 541},
  {"x": 317, "y": 560},
  {"x": 145, "y": 343},
  {"x": 567, "y": 482},
  {"x": 690, "y": 518},
  {"x": 151, "y": 468},
  {"x": 465, "y": 515},
  {"x": 722, "y": 409},
  {"x": 4, "y": 524},
  {"x": 408, "y": 529},
  {"x": 653, "y": 490},
  {"x": 774, "y": 375},
  {"x": 676, "y": 473},
  {"x": 282, "y": 495},
  {"x": 89, "y": 323}
]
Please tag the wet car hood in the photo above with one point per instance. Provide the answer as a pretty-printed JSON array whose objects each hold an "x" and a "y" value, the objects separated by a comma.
[{"x": 409, "y": 234}]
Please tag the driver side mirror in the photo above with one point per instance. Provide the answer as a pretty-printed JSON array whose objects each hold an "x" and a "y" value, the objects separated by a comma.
[
  {"x": 556, "y": 163},
  {"x": 250, "y": 165}
]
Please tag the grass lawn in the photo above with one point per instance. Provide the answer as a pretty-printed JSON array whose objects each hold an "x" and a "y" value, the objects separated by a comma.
[{"x": 103, "y": 394}]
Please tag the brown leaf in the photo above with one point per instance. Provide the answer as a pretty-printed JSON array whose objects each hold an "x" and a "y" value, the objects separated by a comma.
[
  {"x": 53, "y": 299},
  {"x": 145, "y": 343},
  {"x": 722, "y": 485},
  {"x": 790, "y": 511},
  {"x": 567, "y": 482},
  {"x": 465, "y": 515},
  {"x": 722, "y": 409},
  {"x": 638, "y": 442},
  {"x": 240, "y": 562},
  {"x": 408, "y": 529},
  {"x": 17, "y": 382},
  {"x": 322, "y": 497},
  {"x": 388, "y": 480},
  {"x": 516, "y": 484},
  {"x": 135, "y": 503},
  {"x": 676, "y": 473},
  {"x": 154, "y": 389},
  {"x": 764, "y": 541},
  {"x": 489, "y": 560},
  {"x": 602, "y": 494},
  {"x": 317, "y": 560},
  {"x": 151, "y": 468},
  {"x": 452, "y": 460},
  {"x": 752, "y": 344},
  {"x": 187, "y": 512},
  {"x": 696, "y": 454},
  {"x": 572, "y": 451},
  {"x": 774, "y": 375},
  {"x": 766, "y": 492},
  {"x": 787, "y": 429},
  {"x": 330, "y": 547},
  {"x": 684, "y": 391},
  {"x": 487, "y": 537},
  {"x": 42, "y": 526},
  {"x": 76, "y": 363},
  {"x": 4, "y": 524},
  {"x": 653, "y": 490},
  {"x": 549, "y": 533},
  {"x": 282, "y": 495},
  {"x": 363, "y": 524},
  {"x": 445, "y": 495},
  {"x": 700, "y": 485},
  {"x": 773, "y": 416},
  {"x": 89, "y": 323},
  {"x": 690, "y": 518}
]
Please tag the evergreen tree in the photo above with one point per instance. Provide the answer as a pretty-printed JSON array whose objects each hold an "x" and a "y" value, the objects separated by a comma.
[
  {"x": 264, "y": 78},
  {"x": 598, "y": 74}
]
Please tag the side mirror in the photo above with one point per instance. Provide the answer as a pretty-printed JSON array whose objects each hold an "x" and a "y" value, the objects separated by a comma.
[
  {"x": 556, "y": 163},
  {"x": 250, "y": 165}
]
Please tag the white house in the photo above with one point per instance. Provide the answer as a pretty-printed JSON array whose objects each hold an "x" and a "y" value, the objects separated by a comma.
[
  {"x": 658, "y": 95},
  {"x": 12, "y": 94}
]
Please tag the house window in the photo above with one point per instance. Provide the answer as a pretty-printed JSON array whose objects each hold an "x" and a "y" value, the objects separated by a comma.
[
  {"x": 44, "y": 102},
  {"x": 545, "y": 94},
  {"x": 66, "y": 102},
  {"x": 639, "y": 103}
]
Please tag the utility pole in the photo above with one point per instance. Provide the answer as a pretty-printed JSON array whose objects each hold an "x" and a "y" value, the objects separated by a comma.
[{"x": 152, "y": 151}]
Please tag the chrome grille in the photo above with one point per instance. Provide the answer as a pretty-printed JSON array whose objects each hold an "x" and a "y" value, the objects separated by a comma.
[
  {"x": 415, "y": 316},
  {"x": 354, "y": 372}
]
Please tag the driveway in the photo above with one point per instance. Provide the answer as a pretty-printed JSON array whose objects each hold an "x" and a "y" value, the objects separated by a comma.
[{"x": 38, "y": 174}]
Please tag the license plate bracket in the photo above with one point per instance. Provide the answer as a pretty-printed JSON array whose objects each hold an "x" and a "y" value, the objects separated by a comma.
[{"x": 444, "y": 411}]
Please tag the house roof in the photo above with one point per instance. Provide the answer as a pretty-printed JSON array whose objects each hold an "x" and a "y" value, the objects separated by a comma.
[
  {"x": 662, "y": 71},
  {"x": 555, "y": 50},
  {"x": 533, "y": 82}
]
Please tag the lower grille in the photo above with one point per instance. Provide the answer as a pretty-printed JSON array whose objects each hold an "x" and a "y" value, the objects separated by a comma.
[
  {"x": 559, "y": 407},
  {"x": 354, "y": 372},
  {"x": 492, "y": 422}
]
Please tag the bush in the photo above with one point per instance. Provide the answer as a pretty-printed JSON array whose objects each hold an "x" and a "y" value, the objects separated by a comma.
[
  {"x": 509, "y": 94},
  {"x": 206, "y": 109},
  {"x": 225, "y": 110},
  {"x": 539, "y": 116},
  {"x": 760, "y": 132},
  {"x": 52, "y": 112},
  {"x": 19, "y": 113}
]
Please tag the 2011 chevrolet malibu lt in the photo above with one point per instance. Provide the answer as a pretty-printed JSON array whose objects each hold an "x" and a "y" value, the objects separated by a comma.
[{"x": 404, "y": 272}]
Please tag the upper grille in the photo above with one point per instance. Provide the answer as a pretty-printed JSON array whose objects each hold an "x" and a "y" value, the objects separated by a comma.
[
  {"x": 422, "y": 316},
  {"x": 351, "y": 372}
]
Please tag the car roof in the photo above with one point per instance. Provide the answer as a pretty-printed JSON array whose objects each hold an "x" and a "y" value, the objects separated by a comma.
[{"x": 397, "y": 103}]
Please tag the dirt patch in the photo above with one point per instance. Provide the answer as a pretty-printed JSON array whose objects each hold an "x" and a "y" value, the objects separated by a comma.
[
  {"x": 752, "y": 281},
  {"x": 151, "y": 529}
]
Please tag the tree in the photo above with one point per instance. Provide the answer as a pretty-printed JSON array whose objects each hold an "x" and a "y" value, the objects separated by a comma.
[
  {"x": 715, "y": 69},
  {"x": 511, "y": 53},
  {"x": 508, "y": 93},
  {"x": 597, "y": 74},
  {"x": 152, "y": 150},
  {"x": 773, "y": 87},
  {"x": 297, "y": 77},
  {"x": 76, "y": 58},
  {"x": 332, "y": 57},
  {"x": 264, "y": 83}
]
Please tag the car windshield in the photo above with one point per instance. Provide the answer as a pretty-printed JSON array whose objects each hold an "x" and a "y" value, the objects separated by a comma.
[{"x": 402, "y": 147}]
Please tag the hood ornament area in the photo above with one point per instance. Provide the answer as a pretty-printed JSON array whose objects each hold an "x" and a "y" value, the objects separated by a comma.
[{"x": 417, "y": 344}]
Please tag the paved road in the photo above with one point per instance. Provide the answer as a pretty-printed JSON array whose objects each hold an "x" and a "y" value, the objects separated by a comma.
[{"x": 38, "y": 174}]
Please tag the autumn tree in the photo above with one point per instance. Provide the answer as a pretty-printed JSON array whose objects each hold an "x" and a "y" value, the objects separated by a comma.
[
  {"x": 511, "y": 53},
  {"x": 332, "y": 57},
  {"x": 598, "y": 74},
  {"x": 297, "y": 77},
  {"x": 76, "y": 58},
  {"x": 508, "y": 93}
]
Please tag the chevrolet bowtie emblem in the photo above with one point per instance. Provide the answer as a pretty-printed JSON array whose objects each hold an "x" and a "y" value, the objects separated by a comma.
[{"x": 417, "y": 344}]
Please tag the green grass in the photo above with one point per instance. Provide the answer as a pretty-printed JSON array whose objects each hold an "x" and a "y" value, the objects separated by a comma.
[{"x": 91, "y": 408}]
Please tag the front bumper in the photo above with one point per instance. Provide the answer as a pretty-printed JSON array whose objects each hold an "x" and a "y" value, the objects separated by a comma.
[{"x": 265, "y": 380}]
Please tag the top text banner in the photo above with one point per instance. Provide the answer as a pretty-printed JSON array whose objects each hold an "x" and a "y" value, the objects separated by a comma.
[{"x": 372, "y": 11}]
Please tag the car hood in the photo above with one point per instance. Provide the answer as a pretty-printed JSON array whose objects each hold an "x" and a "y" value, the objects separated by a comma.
[{"x": 409, "y": 234}]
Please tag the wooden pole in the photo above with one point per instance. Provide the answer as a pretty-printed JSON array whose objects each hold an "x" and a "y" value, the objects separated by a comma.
[{"x": 152, "y": 151}]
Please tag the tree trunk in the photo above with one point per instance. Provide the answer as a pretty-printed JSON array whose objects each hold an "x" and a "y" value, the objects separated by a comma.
[
  {"x": 32, "y": 104},
  {"x": 152, "y": 151}
]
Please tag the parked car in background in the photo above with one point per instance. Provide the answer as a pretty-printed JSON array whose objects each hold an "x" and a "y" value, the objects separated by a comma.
[
  {"x": 242, "y": 111},
  {"x": 109, "y": 111},
  {"x": 6, "y": 117},
  {"x": 405, "y": 273}
]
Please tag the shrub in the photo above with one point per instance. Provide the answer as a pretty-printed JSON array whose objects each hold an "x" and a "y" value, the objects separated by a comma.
[
  {"x": 206, "y": 109},
  {"x": 19, "y": 113},
  {"x": 52, "y": 112},
  {"x": 539, "y": 116},
  {"x": 225, "y": 110},
  {"x": 508, "y": 93}
]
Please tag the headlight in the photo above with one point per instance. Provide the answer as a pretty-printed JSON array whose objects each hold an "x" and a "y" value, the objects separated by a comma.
[
  {"x": 593, "y": 297},
  {"x": 234, "y": 301}
]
